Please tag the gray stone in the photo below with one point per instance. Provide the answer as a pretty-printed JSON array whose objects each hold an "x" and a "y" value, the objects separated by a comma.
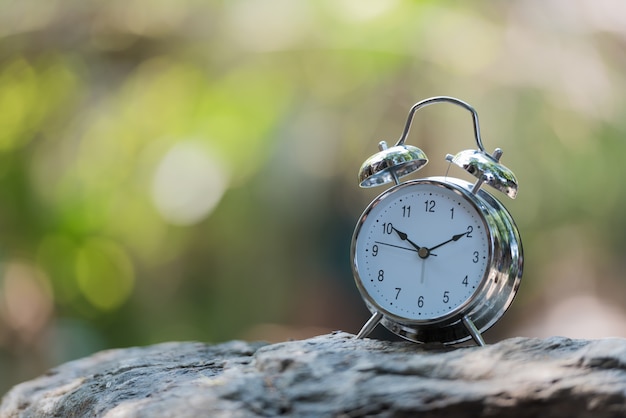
[{"x": 335, "y": 375}]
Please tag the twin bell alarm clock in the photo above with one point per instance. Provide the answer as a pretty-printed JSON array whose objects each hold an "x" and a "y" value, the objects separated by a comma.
[{"x": 437, "y": 259}]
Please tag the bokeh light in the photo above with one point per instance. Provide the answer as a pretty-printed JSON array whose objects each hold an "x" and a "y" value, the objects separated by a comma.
[{"x": 188, "y": 183}]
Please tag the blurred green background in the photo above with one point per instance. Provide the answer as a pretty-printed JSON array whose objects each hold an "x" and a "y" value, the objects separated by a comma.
[{"x": 186, "y": 170}]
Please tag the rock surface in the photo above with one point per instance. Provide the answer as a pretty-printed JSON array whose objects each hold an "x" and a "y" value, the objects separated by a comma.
[{"x": 335, "y": 376}]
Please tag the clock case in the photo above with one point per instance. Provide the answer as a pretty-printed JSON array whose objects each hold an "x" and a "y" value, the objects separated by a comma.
[
  {"x": 503, "y": 275},
  {"x": 492, "y": 296}
]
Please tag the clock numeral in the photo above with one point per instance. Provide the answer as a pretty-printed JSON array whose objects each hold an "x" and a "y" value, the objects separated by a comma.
[
  {"x": 430, "y": 205},
  {"x": 387, "y": 228},
  {"x": 451, "y": 213},
  {"x": 398, "y": 289},
  {"x": 475, "y": 259},
  {"x": 465, "y": 282},
  {"x": 446, "y": 297},
  {"x": 470, "y": 229},
  {"x": 420, "y": 302},
  {"x": 381, "y": 275},
  {"x": 375, "y": 250},
  {"x": 406, "y": 211}
]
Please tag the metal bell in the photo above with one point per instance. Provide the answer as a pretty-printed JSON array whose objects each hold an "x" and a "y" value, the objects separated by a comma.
[
  {"x": 487, "y": 169},
  {"x": 389, "y": 164}
]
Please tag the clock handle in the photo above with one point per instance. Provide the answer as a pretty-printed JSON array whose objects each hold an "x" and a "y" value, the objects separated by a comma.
[
  {"x": 439, "y": 99},
  {"x": 370, "y": 325}
]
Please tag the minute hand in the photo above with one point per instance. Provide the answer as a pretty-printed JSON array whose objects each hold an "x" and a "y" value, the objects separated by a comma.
[{"x": 454, "y": 238}]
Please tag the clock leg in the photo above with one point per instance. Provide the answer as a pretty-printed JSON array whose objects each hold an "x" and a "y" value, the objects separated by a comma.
[
  {"x": 473, "y": 331},
  {"x": 370, "y": 325}
]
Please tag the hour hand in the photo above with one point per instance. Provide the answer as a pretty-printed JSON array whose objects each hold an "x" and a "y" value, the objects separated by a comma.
[{"x": 404, "y": 237}]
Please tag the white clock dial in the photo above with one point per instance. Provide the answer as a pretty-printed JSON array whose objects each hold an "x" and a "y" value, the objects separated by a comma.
[{"x": 421, "y": 251}]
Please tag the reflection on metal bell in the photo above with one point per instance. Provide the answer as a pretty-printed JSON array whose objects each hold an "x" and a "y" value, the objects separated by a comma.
[
  {"x": 487, "y": 169},
  {"x": 389, "y": 164}
]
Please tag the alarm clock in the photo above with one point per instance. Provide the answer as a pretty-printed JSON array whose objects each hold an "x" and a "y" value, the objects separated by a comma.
[{"x": 437, "y": 259}]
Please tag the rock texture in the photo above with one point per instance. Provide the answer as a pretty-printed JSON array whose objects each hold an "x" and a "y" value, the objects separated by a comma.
[{"x": 335, "y": 376}]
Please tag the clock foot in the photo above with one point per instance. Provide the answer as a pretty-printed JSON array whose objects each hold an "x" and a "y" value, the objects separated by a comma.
[
  {"x": 370, "y": 325},
  {"x": 474, "y": 331}
]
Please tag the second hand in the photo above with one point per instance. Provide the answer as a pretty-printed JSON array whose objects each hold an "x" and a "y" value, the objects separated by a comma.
[{"x": 398, "y": 246}]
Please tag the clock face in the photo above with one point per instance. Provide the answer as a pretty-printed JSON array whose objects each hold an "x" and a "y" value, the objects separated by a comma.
[{"x": 420, "y": 251}]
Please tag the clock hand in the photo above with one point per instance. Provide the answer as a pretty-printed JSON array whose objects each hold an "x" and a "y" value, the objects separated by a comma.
[
  {"x": 454, "y": 238},
  {"x": 402, "y": 248},
  {"x": 404, "y": 237},
  {"x": 395, "y": 246},
  {"x": 423, "y": 252}
]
